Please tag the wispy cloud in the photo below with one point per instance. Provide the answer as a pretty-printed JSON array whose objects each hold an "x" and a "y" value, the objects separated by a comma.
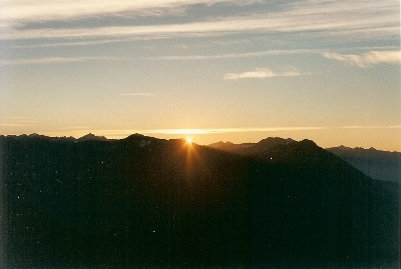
[
  {"x": 78, "y": 59},
  {"x": 365, "y": 19},
  {"x": 371, "y": 127},
  {"x": 179, "y": 132},
  {"x": 48, "y": 10},
  {"x": 262, "y": 73},
  {"x": 367, "y": 59},
  {"x": 233, "y": 55},
  {"x": 17, "y": 124},
  {"x": 70, "y": 44},
  {"x": 54, "y": 60},
  {"x": 145, "y": 94},
  {"x": 16, "y": 121},
  {"x": 224, "y": 130},
  {"x": 257, "y": 129},
  {"x": 12, "y": 124},
  {"x": 113, "y": 133}
]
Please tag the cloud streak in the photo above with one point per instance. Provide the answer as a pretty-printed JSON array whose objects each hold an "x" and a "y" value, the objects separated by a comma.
[
  {"x": 261, "y": 73},
  {"x": 233, "y": 55},
  {"x": 73, "y": 44},
  {"x": 223, "y": 130},
  {"x": 48, "y": 10},
  {"x": 145, "y": 94},
  {"x": 367, "y": 59},
  {"x": 57, "y": 60},
  {"x": 114, "y": 133},
  {"x": 367, "y": 19},
  {"x": 17, "y": 121},
  {"x": 14, "y": 124}
]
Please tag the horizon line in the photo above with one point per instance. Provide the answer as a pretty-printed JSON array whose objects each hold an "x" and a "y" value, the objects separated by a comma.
[
  {"x": 183, "y": 138},
  {"x": 206, "y": 131}
]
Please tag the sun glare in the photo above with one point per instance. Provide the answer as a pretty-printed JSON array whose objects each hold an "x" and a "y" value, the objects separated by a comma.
[{"x": 189, "y": 140}]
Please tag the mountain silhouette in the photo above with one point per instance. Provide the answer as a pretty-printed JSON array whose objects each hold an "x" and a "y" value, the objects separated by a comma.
[
  {"x": 382, "y": 165},
  {"x": 91, "y": 136},
  {"x": 378, "y": 164},
  {"x": 285, "y": 151},
  {"x": 150, "y": 202}
]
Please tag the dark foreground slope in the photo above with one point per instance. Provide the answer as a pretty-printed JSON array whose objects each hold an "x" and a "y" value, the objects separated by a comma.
[
  {"x": 378, "y": 164},
  {"x": 150, "y": 202}
]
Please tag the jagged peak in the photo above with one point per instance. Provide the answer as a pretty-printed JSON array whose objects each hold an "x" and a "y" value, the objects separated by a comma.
[
  {"x": 136, "y": 135},
  {"x": 91, "y": 136},
  {"x": 141, "y": 139},
  {"x": 35, "y": 135},
  {"x": 221, "y": 143},
  {"x": 308, "y": 142},
  {"x": 344, "y": 148},
  {"x": 274, "y": 141}
]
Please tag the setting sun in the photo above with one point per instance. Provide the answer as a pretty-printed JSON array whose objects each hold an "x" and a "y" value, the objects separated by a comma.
[{"x": 188, "y": 140}]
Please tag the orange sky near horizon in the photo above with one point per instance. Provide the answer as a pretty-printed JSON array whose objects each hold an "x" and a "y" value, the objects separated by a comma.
[
  {"x": 388, "y": 139},
  {"x": 228, "y": 70}
]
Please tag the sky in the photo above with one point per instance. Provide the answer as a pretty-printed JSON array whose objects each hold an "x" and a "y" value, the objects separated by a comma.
[{"x": 214, "y": 70}]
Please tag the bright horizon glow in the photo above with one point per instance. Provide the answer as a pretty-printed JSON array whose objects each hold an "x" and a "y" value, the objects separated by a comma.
[
  {"x": 350, "y": 136},
  {"x": 113, "y": 133},
  {"x": 188, "y": 140},
  {"x": 211, "y": 70}
]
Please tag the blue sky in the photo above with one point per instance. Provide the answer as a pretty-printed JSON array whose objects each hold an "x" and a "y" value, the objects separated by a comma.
[{"x": 215, "y": 70}]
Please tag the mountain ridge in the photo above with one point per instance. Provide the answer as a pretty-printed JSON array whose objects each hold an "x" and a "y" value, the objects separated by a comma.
[
  {"x": 143, "y": 201},
  {"x": 378, "y": 164}
]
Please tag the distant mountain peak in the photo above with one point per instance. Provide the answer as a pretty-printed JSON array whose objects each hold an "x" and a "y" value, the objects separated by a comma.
[
  {"x": 224, "y": 143},
  {"x": 264, "y": 144},
  {"x": 139, "y": 137},
  {"x": 378, "y": 164},
  {"x": 275, "y": 148},
  {"x": 136, "y": 135},
  {"x": 342, "y": 147},
  {"x": 277, "y": 139},
  {"x": 91, "y": 136},
  {"x": 356, "y": 149},
  {"x": 308, "y": 142},
  {"x": 221, "y": 144},
  {"x": 274, "y": 141}
]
